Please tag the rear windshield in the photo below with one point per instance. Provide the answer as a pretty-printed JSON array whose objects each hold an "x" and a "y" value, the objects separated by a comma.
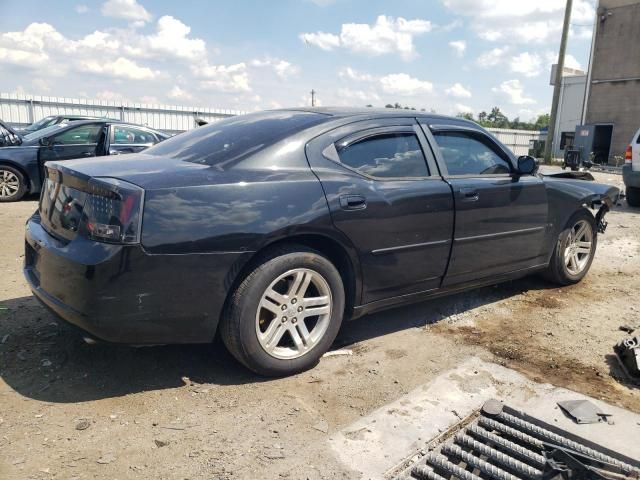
[{"x": 235, "y": 138}]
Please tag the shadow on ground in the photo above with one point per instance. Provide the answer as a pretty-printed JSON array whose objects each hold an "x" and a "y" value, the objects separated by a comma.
[{"x": 42, "y": 359}]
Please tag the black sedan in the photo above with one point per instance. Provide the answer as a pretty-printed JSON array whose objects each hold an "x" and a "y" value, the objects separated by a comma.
[
  {"x": 53, "y": 120},
  {"x": 272, "y": 227},
  {"x": 22, "y": 160}
]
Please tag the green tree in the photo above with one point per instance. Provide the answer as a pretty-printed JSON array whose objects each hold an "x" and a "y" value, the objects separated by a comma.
[{"x": 542, "y": 121}]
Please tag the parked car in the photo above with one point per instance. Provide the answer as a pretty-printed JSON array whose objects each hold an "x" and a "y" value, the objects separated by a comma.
[
  {"x": 272, "y": 227},
  {"x": 22, "y": 164},
  {"x": 54, "y": 120},
  {"x": 631, "y": 171}
]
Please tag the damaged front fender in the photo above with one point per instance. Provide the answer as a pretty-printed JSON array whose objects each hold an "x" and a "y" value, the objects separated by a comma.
[{"x": 568, "y": 192}]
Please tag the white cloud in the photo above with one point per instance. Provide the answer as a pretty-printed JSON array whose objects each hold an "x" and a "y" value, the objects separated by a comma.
[
  {"x": 126, "y": 10},
  {"x": 569, "y": 60},
  {"x": 461, "y": 108},
  {"x": 225, "y": 78},
  {"x": 357, "y": 97},
  {"x": 110, "y": 96},
  {"x": 527, "y": 64},
  {"x": 386, "y": 35},
  {"x": 120, "y": 68},
  {"x": 351, "y": 74},
  {"x": 458, "y": 91},
  {"x": 492, "y": 57},
  {"x": 171, "y": 38},
  {"x": 513, "y": 92},
  {"x": 82, "y": 9},
  {"x": 322, "y": 40},
  {"x": 282, "y": 68},
  {"x": 459, "y": 47},
  {"x": 178, "y": 93},
  {"x": 403, "y": 84},
  {"x": 520, "y": 21}
]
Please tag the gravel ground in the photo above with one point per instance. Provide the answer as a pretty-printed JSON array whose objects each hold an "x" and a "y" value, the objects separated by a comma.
[{"x": 71, "y": 410}]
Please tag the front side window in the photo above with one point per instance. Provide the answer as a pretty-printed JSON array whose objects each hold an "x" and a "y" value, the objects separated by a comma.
[
  {"x": 393, "y": 155},
  {"x": 468, "y": 153},
  {"x": 86, "y": 134}
]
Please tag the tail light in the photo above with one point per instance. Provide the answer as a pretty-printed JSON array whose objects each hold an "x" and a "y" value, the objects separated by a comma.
[
  {"x": 113, "y": 211},
  {"x": 628, "y": 154}
]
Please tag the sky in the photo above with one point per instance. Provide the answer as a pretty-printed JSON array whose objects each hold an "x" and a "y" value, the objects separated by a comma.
[{"x": 448, "y": 56}]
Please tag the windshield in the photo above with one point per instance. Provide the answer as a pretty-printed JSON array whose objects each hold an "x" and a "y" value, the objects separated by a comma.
[
  {"x": 40, "y": 124},
  {"x": 45, "y": 132},
  {"x": 235, "y": 138}
]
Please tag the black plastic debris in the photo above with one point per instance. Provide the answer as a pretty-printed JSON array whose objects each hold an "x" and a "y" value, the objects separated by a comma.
[
  {"x": 502, "y": 443},
  {"x": 628, "y": 353},
  {"x": 583, "y": 411}
]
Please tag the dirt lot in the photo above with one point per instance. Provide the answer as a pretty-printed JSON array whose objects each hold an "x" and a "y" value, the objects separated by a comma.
[{"x": 71, "y": 410}]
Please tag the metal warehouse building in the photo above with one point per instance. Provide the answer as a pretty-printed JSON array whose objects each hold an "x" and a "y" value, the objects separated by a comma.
[{"x": 613, "y": 87}]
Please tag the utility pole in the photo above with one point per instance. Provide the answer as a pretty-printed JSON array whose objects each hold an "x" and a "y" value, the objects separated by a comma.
[
  {"x": 313, "y": 97},
  {"x": 548, "y": 148}
]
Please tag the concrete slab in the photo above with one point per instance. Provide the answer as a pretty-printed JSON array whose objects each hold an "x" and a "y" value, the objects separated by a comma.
[{"x": 377, "y": 443}]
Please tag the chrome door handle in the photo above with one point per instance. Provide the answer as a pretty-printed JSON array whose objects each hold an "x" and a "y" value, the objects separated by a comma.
[{"x": 469, "y": 194}]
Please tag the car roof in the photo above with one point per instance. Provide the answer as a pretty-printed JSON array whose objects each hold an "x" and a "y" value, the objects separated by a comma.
[
  {"x": 347, "y": 112},
  {"x": 110, "y": 121}
]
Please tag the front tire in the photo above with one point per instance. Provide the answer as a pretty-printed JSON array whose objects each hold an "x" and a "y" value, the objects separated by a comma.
[
  {"x": 12, "y": 184},
  {"x": 633, "y": 196},
  {"x": 574, "y": 250},
  {"x": 286, "y": 313}
]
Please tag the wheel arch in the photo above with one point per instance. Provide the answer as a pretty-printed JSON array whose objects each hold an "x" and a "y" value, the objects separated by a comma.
[
  {"x": 345, "y": 261},
  {"x": 21, "y": 169}
]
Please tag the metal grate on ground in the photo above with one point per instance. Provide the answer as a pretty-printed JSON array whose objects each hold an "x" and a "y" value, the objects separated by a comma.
[{"x": 502, "y": 443}]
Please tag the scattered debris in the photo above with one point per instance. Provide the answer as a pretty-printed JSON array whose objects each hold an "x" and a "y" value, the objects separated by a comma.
[
  {"x": 626, "y": 328},
  {"x": 46, "y": 362},
  {"x": 161, "y": 443},
  {"x": 274, "y": 455},
  {"x": 4, "y": 339},
  {"x": 583, "y": 411},
  {"x": 335, "y": 353},
  {"x": 628, "y": 354},
  {"x": 83, "y": 424}
]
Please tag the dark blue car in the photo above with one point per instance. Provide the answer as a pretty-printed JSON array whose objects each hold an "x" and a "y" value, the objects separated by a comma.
[
  {"x": 273, "y": 227},
  {"x": 22, "y": 158}
]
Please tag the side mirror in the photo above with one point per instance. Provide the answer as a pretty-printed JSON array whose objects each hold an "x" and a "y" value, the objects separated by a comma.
[
  {"x": 527, "y": 165},
  {"x": 44, "y": 141}
]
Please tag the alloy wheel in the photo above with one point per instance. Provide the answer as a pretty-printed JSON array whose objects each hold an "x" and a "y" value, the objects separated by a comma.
[
  {"x": 9, "y": 184},
  {"x": 578, "y": 247},
  {"x": 294, "y": 313}
]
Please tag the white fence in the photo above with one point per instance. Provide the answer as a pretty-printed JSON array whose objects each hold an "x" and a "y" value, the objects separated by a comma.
[
  {"x": 21, "y": 110},
  {"x": 516, "y": 140}
]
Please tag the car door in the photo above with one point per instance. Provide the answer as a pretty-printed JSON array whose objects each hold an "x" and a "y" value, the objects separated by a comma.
[
  {"x": 501, "y": 216},
  {"x": 77, "y": 142},
  {"x": 129, "y": 139},
  {"x": 384, "y": 194}
]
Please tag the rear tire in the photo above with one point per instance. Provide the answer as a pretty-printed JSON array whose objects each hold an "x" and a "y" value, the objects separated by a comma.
[
  {"x": 12, "y": 184},
  {"x": 633, "y": 196},
  {"x": 574, "y": 251},
  {"x": 286, "y": 313}
]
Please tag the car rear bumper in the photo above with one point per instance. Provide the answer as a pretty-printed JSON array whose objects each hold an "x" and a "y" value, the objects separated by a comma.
[
  {"x": 630, "y": 177},
  {"x": 122, "y": 294}
]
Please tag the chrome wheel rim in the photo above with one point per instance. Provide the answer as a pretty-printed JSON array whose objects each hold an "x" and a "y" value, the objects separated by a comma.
[
  {"x": 9, "y": 184},
  {"x": 294, "y": 313},
  {"x": 578, "y": 247}
]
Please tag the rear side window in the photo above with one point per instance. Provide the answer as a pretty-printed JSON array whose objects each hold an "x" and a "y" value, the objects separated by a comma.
[
  {"x": 467, "y": 153},
  {"x": 227, "y": 141},
  {"x": 394, "y": 155},
  {"x": 129, "y": 135}
]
